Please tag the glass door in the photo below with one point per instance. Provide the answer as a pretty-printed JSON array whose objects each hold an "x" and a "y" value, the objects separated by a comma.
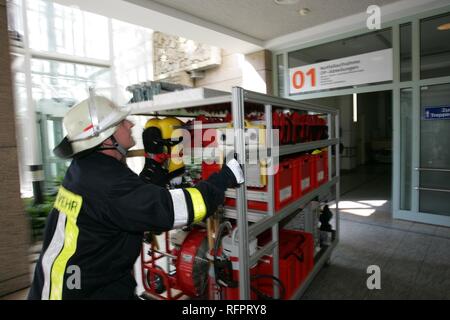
[{"x": 434, "y": 170}]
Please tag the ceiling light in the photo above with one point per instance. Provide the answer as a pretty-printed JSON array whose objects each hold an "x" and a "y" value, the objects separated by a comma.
[
  {"x": 445, "y": 26},
  {"x": 285, "y": 2},
  {"x": 304, "y": 11}
]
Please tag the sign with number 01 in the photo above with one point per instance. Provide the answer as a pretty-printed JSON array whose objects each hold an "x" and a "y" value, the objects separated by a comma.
[{"x": 355, "y": 70}]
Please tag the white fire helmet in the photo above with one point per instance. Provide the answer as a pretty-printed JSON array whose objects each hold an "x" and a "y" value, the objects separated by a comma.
[{"x": 88, "y": 124}]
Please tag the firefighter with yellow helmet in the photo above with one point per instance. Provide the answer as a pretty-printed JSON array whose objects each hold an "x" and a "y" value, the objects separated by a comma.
[{"x": 94, "y": 232}]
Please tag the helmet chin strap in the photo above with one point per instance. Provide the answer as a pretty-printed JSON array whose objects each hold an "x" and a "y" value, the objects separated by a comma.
[{"x": 115, "y": 146}]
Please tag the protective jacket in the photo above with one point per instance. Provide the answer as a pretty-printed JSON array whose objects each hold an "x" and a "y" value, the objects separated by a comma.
[{"x": 94, "y": 233}]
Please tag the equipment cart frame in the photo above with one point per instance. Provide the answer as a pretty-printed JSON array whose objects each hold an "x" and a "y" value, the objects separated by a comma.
[{"x": 251, "y": 223}]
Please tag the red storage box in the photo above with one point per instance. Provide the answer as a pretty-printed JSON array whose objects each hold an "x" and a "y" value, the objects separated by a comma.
[
  {"x": 296, "y": 260},
  {"x": 302, "y": 173},
  {"x": 284, "y": 181},
  {"x": 319, "y": 168}
]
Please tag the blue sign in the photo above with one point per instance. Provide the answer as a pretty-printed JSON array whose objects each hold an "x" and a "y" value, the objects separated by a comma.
[{"x": 437, "y": 113}]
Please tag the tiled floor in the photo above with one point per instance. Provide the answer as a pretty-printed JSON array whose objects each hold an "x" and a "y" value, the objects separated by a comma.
[{"x": 414, "y": 258}]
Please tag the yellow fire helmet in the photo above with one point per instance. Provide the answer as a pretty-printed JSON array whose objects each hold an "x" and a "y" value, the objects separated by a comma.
[{"x": 163, "y": 137}]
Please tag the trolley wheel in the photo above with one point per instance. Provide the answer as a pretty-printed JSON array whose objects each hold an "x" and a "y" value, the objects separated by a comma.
[{"x": 155, "y": 282}]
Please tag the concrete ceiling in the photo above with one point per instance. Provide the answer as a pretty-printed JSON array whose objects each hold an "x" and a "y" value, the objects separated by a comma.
[
  {"x": 250, "y": 25},
  {"x": 266, "y": 20}
]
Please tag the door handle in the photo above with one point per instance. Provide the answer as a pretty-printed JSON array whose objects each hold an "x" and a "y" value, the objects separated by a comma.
[
  {"x": 431, "y": 189},
  {"x": 432, "y": 169}
]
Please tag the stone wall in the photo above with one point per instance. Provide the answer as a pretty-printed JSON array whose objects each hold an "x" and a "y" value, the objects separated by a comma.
[
  {"x": 252, "y": 71},
  {"x": 14, "y": 227},
  {"x": 174, "y": 57}
]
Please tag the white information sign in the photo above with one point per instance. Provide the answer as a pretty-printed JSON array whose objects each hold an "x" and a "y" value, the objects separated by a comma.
[{"x": 360, "y": 69}]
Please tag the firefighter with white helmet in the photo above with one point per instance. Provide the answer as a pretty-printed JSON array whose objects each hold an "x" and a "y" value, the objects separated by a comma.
[{"x": 93, "y": 234}]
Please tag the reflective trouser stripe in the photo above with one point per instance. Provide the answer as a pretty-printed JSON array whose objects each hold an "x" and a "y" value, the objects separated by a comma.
[
  {"x": 51, "y": 253},
  {"x": 180, "y": 210},
  {"x": 198, "y": 204}
]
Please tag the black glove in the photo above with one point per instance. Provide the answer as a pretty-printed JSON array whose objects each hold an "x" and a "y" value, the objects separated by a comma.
[{"x": 230, "y": 176}]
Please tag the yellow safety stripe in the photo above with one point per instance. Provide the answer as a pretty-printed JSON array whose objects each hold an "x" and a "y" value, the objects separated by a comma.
[
  {"x": 67, "y": 203},
  {"x": 198, "y": 203}
]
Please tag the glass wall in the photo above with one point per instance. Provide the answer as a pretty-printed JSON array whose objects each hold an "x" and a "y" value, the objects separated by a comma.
[
  {"x": 70, "y": 51},
  {"x": 435, "y": 47},
  {"x": 54, "y": 79},
  {"x": 406, "y": 111},
  {"x": 133, "y": 56},
  {"x": 57, "y": 86},
  {"x": 405, "y": 52},
  {"x": 67, "y": 30}
]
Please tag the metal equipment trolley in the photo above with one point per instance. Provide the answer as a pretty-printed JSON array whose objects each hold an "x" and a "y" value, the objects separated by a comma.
[{"x": 250, "y": 224}]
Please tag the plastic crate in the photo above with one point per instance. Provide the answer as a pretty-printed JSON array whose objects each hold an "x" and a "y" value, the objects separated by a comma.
[
  {"x": 284, "y": 181},
  {"x": 302, "y": 173},
  {"x": 319, "y": 169},
  {"x": 296, "y": 260}
]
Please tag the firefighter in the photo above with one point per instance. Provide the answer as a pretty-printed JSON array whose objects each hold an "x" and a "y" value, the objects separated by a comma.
[{"x": 93, "y": 234}]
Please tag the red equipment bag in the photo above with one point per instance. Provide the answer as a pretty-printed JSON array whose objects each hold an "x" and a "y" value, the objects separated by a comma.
[
  {"x": 304, "y": 130},
  {"x": 283, "y": 123},
  {"x": 297, "y": 127},
  {"x": 277, "y": 124}
]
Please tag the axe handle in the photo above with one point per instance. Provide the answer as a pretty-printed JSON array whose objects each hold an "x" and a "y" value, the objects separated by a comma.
[{"x": 211, "y": 232}]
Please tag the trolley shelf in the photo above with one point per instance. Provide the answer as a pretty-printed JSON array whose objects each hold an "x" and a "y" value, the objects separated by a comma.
[
  {"x": 150, "y": 107},
  {"x": 264, "y": 221},
  {"x": 252, "y": 216},
  {"x": 300, "y": 147},
  {"x": 251, "y": 195},
  {"x": 267, "y": 249},
  {"x": 257, "y": 228}
]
